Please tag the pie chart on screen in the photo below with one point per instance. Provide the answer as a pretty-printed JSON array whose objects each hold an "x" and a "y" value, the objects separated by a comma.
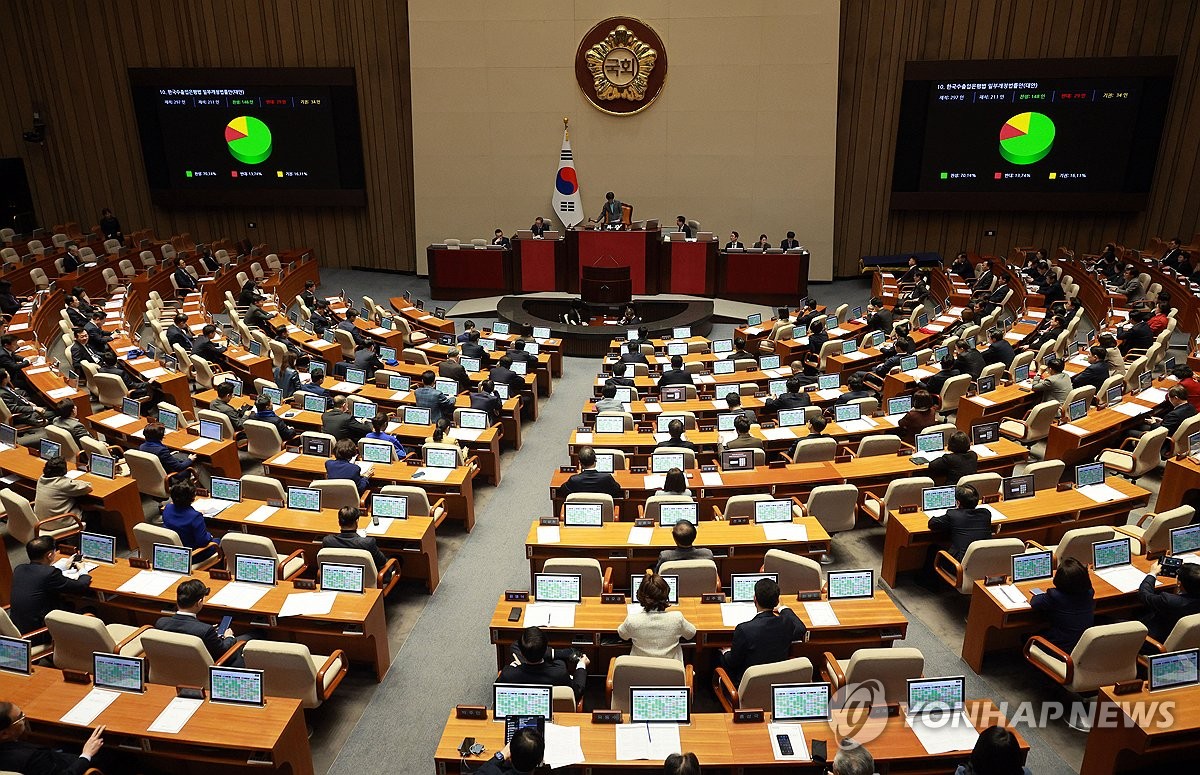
[
  {"x": 1026, "y": 138},
  {"x": 249, "y": 140}
]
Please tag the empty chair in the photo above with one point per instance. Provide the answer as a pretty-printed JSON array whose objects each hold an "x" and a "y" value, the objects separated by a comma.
[
  {"x": 593, "y": 580},
  {"x": 147, "y": 535},
  {"x": 1035, "y": 426},
  {"x": 833, "y": 505},
  {"x": 1077, "y": 543},
  {"x": 1184, "y": 635},
  {"x": 754, "y": 690},
  {"x": 77, "y": 636},
  {"x": 234, "y": 543},
  {"x": 262, "y": 488},
  {"x": 818, "y": 450},
  {"x": 988, "y": 557},
  {"x": 384, "y": 578},
  {"x": 689, "y": 456},
  {"x": 891, "y": 667},
  {"x": 740, "y": 505},
  {"x": 40, "y": 281},
  {"x": 952, "y": 393},
  {"x": 1105, "y": 655},
  {"x": 627, "y": 671},
  {"x": 1154, "y": 538},
  {"x": 1046, "y": 473},
  {"x": 262, "y": 439},
  {"x": 337, "y": 493},
  {"x": 111, "y": 390},
  {"x": 796, "y": 573},
  {"x": 984, "y": 484},
  {"x": 1081, "y": 393},
  {"x": 607, "y": 508},
  {"x": 23, "y": 524},
  {"x": 291, "y": 670},
  {"x": 178, "y": 659},
  {"x": 696, "y": 577},
  {"x": 9, "y": 630},
  {"x": 1136, "y": 457},
  {"x": 900, "y": 492}
]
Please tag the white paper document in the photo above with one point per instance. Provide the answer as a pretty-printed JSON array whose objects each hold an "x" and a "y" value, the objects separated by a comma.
[
  {"x": 785, "y": 531},
  {"x": 646, "y": 741},
  {"x": 919, "y": 373},
  {"x": 192, "y": 446},
  {"x": 828, "y": 394},
  {"x": 776, "y": 434},
  {"x": 981, "y": 401},
  {"x": 1101, "y": 493},
  {"x": 75, "y": 473},
  {"x": 434, "y": 474},
  {"x": 118, "y": 420},
  {"x": 997, "y": 515},
  {"x": 283, "y": 458},
  {"x": 1153, "y": 395},
  {"x": 795, "y": 735},
  {"x": 563, "y": 748},
  {"x": 154, "y": 373},
  {"x": 733, "y": 614},
  {"x": 385, "y": 524},
  {"x": 1075, "y": 429},
  {"x": 1010, "y": 597},
  {"x": 550, "y": 615},
  {"x": 640, "y": 536},
  {"x": 210, "y": 507},
  {"x": 983, "y": 450},
  {"x": 308, "y": 604},
  {"x": 151, "y": 583},
  {"x": 92, "y": 705},
  {"x": 1125, "y": 578},
  {"x": 548, "y": 534},
  {"x": 1132, "y": 409},
  {"x": 940, "y": 733},
  {"x": 583, "y": 438},
  {"x": 261, "y": 514},
  {"x": 654, "y": 481},
  {"x": 400, "y": 395},
  {"x": 240, "y": 595},
  {"x": 855, "y": 355},
  {"x": 344, "y": 387},
  {"x": 61, "y": 392},
  {"x": 857, "y": 426},
  {"x": 821, "y": 614}
]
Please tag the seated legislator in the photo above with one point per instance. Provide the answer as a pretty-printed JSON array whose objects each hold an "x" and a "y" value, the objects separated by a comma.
[
  {"x": 921, "y": 416},
  {"x": 998, "y": 349},
  {"x": 794, "y": 398},
  {"x": 654, "y": 631},
  {"x": 366, "y": 357},
  {"x": 577, "y": 315},
  {"x": 96, "y": 333},
  {"x": 1096, "y": 371},
  {"x": 439, "y": 404},
  {"x": 962, "y": 266},
  {"x": 739, "y": 352},
  {"x": 287, "y": 378},
  {"x": 743, "y": 440},
  {"x": 264, "y": 411},
  {"x": 38, "y": 586},
  {"x": 84, "y": 350},
  {"x": 1055, "y": 328},
  {"x": 189, "y": 599},
  {"x": 1136, "y": 336},
  {"x": 65, "y": 418},
  {"x": 379, "y": 432},
  {"x": 912, "y": 272},
  {"x": 1069, "y": 606},
  {"x": 858, "y": 388},
  {"x": 817, "y": 337},
  {"x": 618, "y": 378},
  {"x": 468, "y": 327},
  {"x": 348, "y": 326},
  {"x": 675, "y": 437},
  {"x": 522, "y": 755},
  {"x": 309, "y": 294},
  {"x": 630, "y": 317},
  {"x": 1187, "y": 381},
  {"x": 538, "y": 227},
  {"x": 451, "y": 368},
  {"x": 589, "y": 479},
  {"x": 257, "y": 317},
  {"x": 347, "y": 536},
  {"x": 519, "y": 353},
  {"x": 676, "y": 375},
  {"x": 342, "y": 465},
  {"x": 996, "y": 751},
  {"x": 966, "y": 522},
  {"x": 684, "y": 535},
  {"x": 1051, "y": 382},
  {"x": 178, "y": 332},
  {"x": 959, "y": 461},
  {"x": 763, "y": 242},
  {"x": 498, "y": 238},
  {"x": 1175, "y": 410},
  {"x": 338, "y": 422},
  {"x": 183, "y": 278},
  {"x": 608, "y": 400},
  {"x": 179, "y": 515},
  {"x": 237, "y": 417},
  {"x": 1161, "y": 318},
  {"x": 681, "y": 225},
  {"x": 1114, "y": 359},
  {"x": 16, "y": 755},
  {"x": 935, "y": 382},
  {"x": 733, "y": 403},
  {"x": 172, "y": 462},
  {"x": 970, "y": 360},
  {"x": 734, "y": 241},
  {"x": 249, "y": 293},
  {"x": 808, "y": 311},
  {"x": 1165, "y": 609},
  {"x": 486, "y": 400},
  {"x": 766, "y": 638},
  {"x": 57, "y": 493},
  {"x": 534, "y": 663},
  {"x": 633, "y": 354},
  {"x": 471, "y": 348},
  {"x": 674, "y": 483},
  {"x": 502, "y": 374},
  {"x": 879, "y": 317},
  {"x": 314, "y": 386},
  {"x": 206, "y": 346}
]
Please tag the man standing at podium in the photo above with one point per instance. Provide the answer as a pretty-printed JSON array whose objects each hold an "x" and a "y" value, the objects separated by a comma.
[{"x": 610, "y": 214}]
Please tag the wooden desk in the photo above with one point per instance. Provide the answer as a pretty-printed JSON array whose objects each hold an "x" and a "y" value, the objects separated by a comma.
[
  {"x": 220, "y": 456},
  {"x": 228, "y": 738},
  {"x": 1043, "y": 518},
  {"x": 1101, "y": 429},
  {"x": 736, "y": 548},
  {"x": 356, "y": 624},
  {"x": 458, "y": 488},
  {"x": 1124, "y": 745},
  {"x": 468, "y": 272},
  {"x": 703, "y": 408},
  {"x": 1180, "y": 481},
  {"x": 420, "y": 319},
  {"x": 724, "y": 748},
  {"x": 174, "y": 383},
  {"x": 766, "y": 278},
  {"x": 992, "y": 627}
]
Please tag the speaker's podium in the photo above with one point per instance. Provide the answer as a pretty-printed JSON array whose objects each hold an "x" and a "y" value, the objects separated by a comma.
[{"x": 606, "y": 285}]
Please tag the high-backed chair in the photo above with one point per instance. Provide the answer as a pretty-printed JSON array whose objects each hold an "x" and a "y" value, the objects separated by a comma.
[
  {"x": 1036, "y": 425},
  {"x": 111, "y": 390},
  {"x": 1154, "y": 538},
  {"x": 689, "y": 455},
  {"x": 262, "y": 439},
  {"x": 891, "y": 667},
  {"x": 618, "y": 455},
  {"x": 147, "y": 535},
  {"x": 337, "y": 493},
  {"x": 1179, "y": 439},
  {"x": 627, "y": 671},
  {"x": 740, "y": 505},
  {"x": 952, "y": 393},
  {"x": 653, "y": 508},
  {"x": 291, "y": 670},
  {"x": 796, "y": 572},
  {"x": 754, "y": 690},
  {"x": 234, "y": 543},
  {"x": 817, "y": 450},
  {"x": 985, "y": 484},
  {"x": 1184, "y": 635},
  {"x": 1136, "y": 457},
  {"x": 418, "y": 502},
  {"x": 263, "y": 488},
  {"x": 147, "y": 470},
  {"x": 626, "y": 416},
  {"x": 607, "y": 506},
  {"x": 384, "y": 578},
  {"x": 77, "y": 636},
  {"x": 1046, "y": 473},
  {"x": 899, "y": 492},
  {"x": 986, "y": 557},
  {"x": 37, "y": 651},
  {"x": 696, "y": 577},
  {"x": 1106, "y": 654},
  {"x": 24, "y": 526},
  {"x": 178, "y": 659},
  {"x": 835, "y": 507},
  {"x": 593, "y": 580}
]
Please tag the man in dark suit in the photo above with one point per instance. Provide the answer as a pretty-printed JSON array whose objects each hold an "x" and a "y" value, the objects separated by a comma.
[
  {"x": 765, "y": 639},
  {"x": 808, "y": 312},
  {"x": 1165, "y": 609},
  {"x": 911, "y": 273},
  {"x": 684, "y": 535},
  {"x": 998, "y": 349},
  {"x": 486, "y": 400},
  {"x": 1176, "y": 409},
  {"x": 530, "y": 664},
  {"x": 739, "y": 352},
  {"x": 183, "y": 278},
  {"x": 734, "y": 242},
  {"x": 500, "y": 239},
  {"x": 1138, "y": 336},
  {"x": 309, "y": 295},
  {"x": 172, "y": 462},
  {"x": 348, "y": 537},
  {"x": 76, "y": 315},
  {"x": 264, "y": 411},
  {"x": 879, "y": 317},
  {"x": 439, "y": 404},
  {"x": 589, "y": 479},
  {"x": 96, "y": 333},
  {"x": 794, "y": 398},
  {"x": 743, "y": 439},
  {"x": 189, "y": 599},
  {"x": 966, "y": 522},
  {"x": 9, "y": 360},
  {"x": 539, "y": 227},
  {"x": 1171, "y": 259},
  {"x": 618, "y": 377},
  {"x": 502, "y": 374},
  {"x": 970, "y": 361},
  {"x": 471, "y": 348},
  {"x": 366, "y": 357},
  {"x": 179, "y": 333},
  {"x": 452, "y": 368},
  {"x": 681, "y": 224},
  {"x": 733, "y": 405},
  {"x": 857, "y": 388},
  {"x": 221, "y": 404},
  {"x": 675, "y": 437},
  {"x": 1045, "y": 334},
  {"x": 338, "y": 422},
  {"x": 38, "y": 586},
  {"x": 519, "y": 353},
  {"x": 983, "y": 282},
  {"x": 633, "y": 354},
  {"x": 610, "y": 213},
  {"x": 206, "y": 346},
  {"x": 83, "y": 350},
  {"x": 348, "y": 325},
  {"x": 935, "y": 382},
  {"x": 468, "y": 327},
  {"x": 790, "y": 242},
  {"x": 257, "y": 317},
  {"x": 676, "y": 375},
  {"x": 18, "y": 404},
  {"x": 19, "y": 756},
  {"x": 1052, "y": 291},
  {"x": 1096, "y": 371}
]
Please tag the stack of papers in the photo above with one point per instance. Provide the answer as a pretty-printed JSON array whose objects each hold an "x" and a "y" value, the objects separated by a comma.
[
  {"x": 997, "y": 515},
  {"x": 118, "y": 420},
  {"x": 1153, "y": 395},
  {"x": 548, "y": 534},
  {"x": 154, "y": 373},
  {"x": 550, "y": 615},
  {"x": 210, "y": 507},
  {"x": 308, "y": 604},
  {"x": 151, "y": 583},
  {"x": 944, "y": 735},
  {"x": 785, "y": 531},
  {"x": 583, "y": 438},
  {"x": 981, "y": 401},
  {"x": 344, "y": 387},
  {"x": 61, "y": 392},
  {"x": 563, "y": 748},
  {"x": 711, "y": 478},
  {"x": 1101, "y": 493},
  {"x": 983, "y": 450},
  {"x": 1132, "y": 409},
  {"x": 1010, "y": 597},
  {"x": 283, "y": 458},
  {"x": 192, "y": 446},
  {"x": 1125, "y": 578},
  {"x": 647, "y": 741},
  {"x": 385, "y": 523},
  {"x": 261, "y": 514},
  {"x": 640, "y": 536},
  {"x": 654, "y": 481},
  {"x": 239, "y": 595},
  {"x": 733, "y": 614},
  {"x": 857, "y": 426},
  {"x": 92, "y": 705},
  {"x": 775, "y": 434},
  {"x": 821, "y": 614}
]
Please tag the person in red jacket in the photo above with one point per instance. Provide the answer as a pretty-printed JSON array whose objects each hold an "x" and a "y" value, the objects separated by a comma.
[
  {"x": 1187, "y": 380},
  {"x": 1158, "y": 322}
]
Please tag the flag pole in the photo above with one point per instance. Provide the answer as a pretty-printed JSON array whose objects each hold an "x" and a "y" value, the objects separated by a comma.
[{"x": 566, "y": 134}]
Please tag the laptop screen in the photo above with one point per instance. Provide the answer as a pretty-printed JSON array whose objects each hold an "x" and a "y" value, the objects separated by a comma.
[
  {"x": 737, "y": 460},
  {"x": 670, "y": 513},
  {"x": 583, "y": 515},
  {"x": 635, "y": 583},
  {"x": 936, "y": 694},
  {"x": 172, "y": 559},
  {"x": 1176, "y": 668},
  {"x": 741, "y": 585},
  {"x": 851, "y": 584},
  {"x": 416, "y": 415},
  {"x": 1109, "y": 554},
  {"x": 521, "y": 700},
  {"x": 987, "y": 384},
  {"x": 724, "y": 367},
  {"x": 210, "y": 429},
  {"x": 489, "y": 345},
  {"x": 800, "y": 702},
  {"x": 985, "y": 433},
  {"x": 304, "y": 499},
  {"x": 473, "y": 420},
  {"x": 436, "y": 457},
  {"x": 111, "y": 671},
  {"x": 15, "y": 655},
  {"x": 1185, "y": 539},
  {"x": 931, "y": 442},
  {"x": 1089, "y": 474},
  {"x": 937, "y": 498},
  {"x": 939, "y": 353},
  {"x": 390, "y": 506},
  {"x": 624, "y": 394},
  {"x": 399, "y": 382},
  {"x": 899, "y": 405},
  {"x": 610, "y": 424},
  {"x": 768, "y": 362},
  {"x": 254, "y": 570},
  {"x": 97, "y": 546},
  {"x": 377, "y": 451},
  {"x": 226, "y": 489},
  {"x": 557, "y": 587},
  {"x": 659, "y": 704},
  {"x": 339, "y": 577},
  {"x": 1115, "y": 394},
  {"x": 235, "y": 685},
  {"x": 662, "y": 462},
  {"x": 721, "y": 391},
  {"x": 363, "y": 410},
  {"x": 847, "y": 412},
  {"x": 722, "y": 346},
  {"x": 1016, "y": 487},
  {"x": 102, "y": 466},
  {"x": 775, "y": 510},
  {"x": 1032, "y": 566},
  {"x": 789, "y": 418}
]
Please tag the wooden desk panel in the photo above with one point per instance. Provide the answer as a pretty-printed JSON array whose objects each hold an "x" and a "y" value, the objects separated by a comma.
[
  {"x": 1181, "y": 480},
  {"x": 1123, "y": 745},
  {"x": 220, "y": 456}
]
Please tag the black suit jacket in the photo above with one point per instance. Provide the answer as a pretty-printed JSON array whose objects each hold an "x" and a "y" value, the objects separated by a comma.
[
  {"x": 788, "y": 244},
  {"x": 935, "y": 383},
  {"x": 184, "y": 279},
  {"x": 729, "y": 245},
  {"x": 764, "y": 639},
  {"x": 474, "y": 350},
  {"x": 971, "y": 362},
  {"x": 637, "y": 357},
  {"x": 1175, "y": 417},
  {"x": 999, "y": 352},
  {"x": 788, "y": 401},
  {"x": 352, "y": 540},
  {"x": 880, "y": 321},
  {"x": 592, "y": 481},
  {"x": 965, "y": 526},
  {"x": 341, "y": 425},
  {"x": 487, "y": 402},
  {"x": 455, "y": 371},
  {"x": 1094, "y": 374},
  {"x": 675, "y": 377},
  {"x": 1137, "y": 337},
  {"x": 190, "y": 625},
  {"x": 37, "y": 589},
  {"x": 499, "y": 375},
  {"x": 552, "y": 672},
  {"x": 208, "y": 350},
  {"x": 177, "y": 335},
  {"x": 12, "y": 363},
  {"x": 79, "y": 354},
  {"x": 20, "y": 756},
  {"x": 1165, "y": 608}
]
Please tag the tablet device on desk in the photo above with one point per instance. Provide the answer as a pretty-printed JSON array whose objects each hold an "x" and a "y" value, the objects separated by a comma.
[
  {"x": 1173, "y": 669},
  {"x": 1017, "y": 487},
  {"x": 720, "y": 392},
  {"x": 831, "y": 322},
  {"x": 98, "y": 547},
  {"x": 363, "y": 410},
  {"x": 399, "y": 382},
  {"x": 313, "y": 402},
  {"x": 625, "y": 394},
  {"x": 172, "y": 559},
  {"x": 847, "y": 412},
  {"x": 237, "y": 385},
  {"x": 514, "y": 724},
  {"x": 610, "y": 424},
  {"x": 15, "y": 655},
  {"x": 1114, "y": 395},
  {"x": 236, "y": 686},
  {"x": 790, "y": 418},
  {"x": 557, "y": 587},
  {"x": 677, "y": 348},
  {"x": 1021, "y": 373},
  {"x": 521, "y": 700},
  {"x": 318, "y": 446},
  {"x": 540, "y": 332},
  {"x": 123, "y": 674},
  {"x": 631, "y": 334},
  {"x": 774, "y": 510},
  {"x": 908, "y": 362},
  {"x": 800, "y": 702},
  {"x": 1111, "y": 554},
  {"x": 1032, "y": 566},
  {"x": 389, "y": 506},
  {"x": 471, "y": 364},
  {"x": 899, "y": 405},
  {"x": 472, "y": 419},
  {"x": 671, "y": 513},
  {"x": 436, "y": 457},
  {"x": 724, "y": 367},
  {"x": 275, "y": 394},
  {"x": 255, "y": 346},
  {"x": 304, "y": 499},
  {"x": 923, "y": 321},
  {"x": 500, "y": 328},
  {"x": 169, "y": 419},
  {"x": 931, "y": 442},
  {"x": 226, "y": 489},
  {"x": 725, "y": 421},
  {"x": 1089, "y": 474},
  {"x": 583, "y": 515},
  {"x": 605, "y": 462},
  {"x": 827, "y": 381},
  {"x": 937, "y": 499},
  {"x": 356, "y": 376},
  {"x": 416, "y": 415},
  {"x": 446, "y": 387},
  {"x": 48, "y": 449},
  {"x": 754, "y": 319},
  {"x": 741, "y": 585},
  {"x": 102, "y": 466},
  {"x": 635, "y": 583},
  {"x": 1185, "y": 539},
  {"x": 211, "y": 430},
  {"x": 777, "y": 387},
  {"x": 342, "y": 577},
  {"x": 987, "y": 384},
  {"x": 660, "y": 705},
  {"x": 936, "y": 695},
  {"x": 681, "y": 332},
  {"x": 985, "y": 433},
  {"x": 940, "y": 353},
  {"x": 8, "y": 434},
  {"x": 768, "y": 362},
  {"x": 851, "y": 584},
  {"x": 662, "y": 462},
  {"x": 1076, "y": 410},
  {"x": 377, "y": 451},
  {"x": 387, "y": 353},
  {"x": 849, "y": 346},
  {"x": 252, "y": 570},
  {"x": 720, "y": 346}
]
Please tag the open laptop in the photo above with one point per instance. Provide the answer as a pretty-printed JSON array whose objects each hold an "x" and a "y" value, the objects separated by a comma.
[
  {"x": 583, "y": 515},
  {"x": 774, "y": 510},
  {"x": 635, "y": 583},
  {"x": 936, "y": 501},
  {"x": 557, "y": 587},
  {"x": 1173, "y": 669},
  {"x": 741, "y": 585},
  {"x": 1032, "y": 566},
  {"x": 851, "y": 584},
  {"x": 236, "y": 686},
  {"x": 660, "y": 705},
  {"x": 671, "y": 513}
]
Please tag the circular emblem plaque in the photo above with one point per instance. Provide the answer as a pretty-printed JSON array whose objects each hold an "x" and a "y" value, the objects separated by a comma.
[{"x": 621, "y": 66}]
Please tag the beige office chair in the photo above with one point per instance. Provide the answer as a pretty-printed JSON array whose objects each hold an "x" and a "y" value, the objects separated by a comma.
[
  {"x": 696, "y": 577},
  {"x": 754, "y": 690},
  {"x": 1153, "y": 539},
  {"x": 1184, "y": 635},
  {"x": 891, "y": 667},
  {"x": 338, "y": 493},
  {"x": 77, "y": 636},
  {"x": 346, "y": 340},
  {"x": 147, "y": 470},
  {"x": 1081, "y": 393},
  {"x": 147, "y": 535},
  {"x": 227, "y": 431},
  {"x": 1105, "y": 655},
  {"x": 24, "y": 526},
  {"x": 418, "y": 502},
  {"x": 384, "y": 578},
  {"x": 687, "y": 418},
  {"x": 835, "y": 507},
  {"x": 618, "y": 456},
  {"x": 653, "y": 507},
  {"x": 235, "y": 543},
  {"x": 593, "y": 580},
  {"x": 796, "y": 573},
  {"x": 40, "y": 281},
  {"x": 952, "y": 393},
  {"x": 37, "y": 651},
  {"x": 1136, "y": 457},
  {"x": 984, "y": 484},
  {"x": 413, "y": 355},
  {"x": 291, "y": 670},
  {"x": 689, "y": 456},
  {"x": 262, "y": 439},
  {"x": 111, "y": 389},
  {"x": 899, "y": 493},
  {"x": 1179, "y": 439},
  {"x": 1077, "y": 543},
  {"x": 607, "y": 506},
  {"x": 740, "y": 506},
  {"x": 263, "y": 488},
  {"x": 1036, "y": 425},
  {"x": 780, "y": 332},
  {"x": 987, "y": 557},
  {"x": 819, "y": 450},
  {"x": 1046, "y": 473},
  {"x": 178, "y": 659},
  {"x": 627, "y": 671}
]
